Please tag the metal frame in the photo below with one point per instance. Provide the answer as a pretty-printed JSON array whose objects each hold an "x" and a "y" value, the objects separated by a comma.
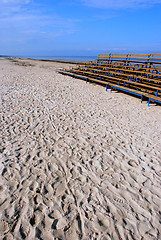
[
  {"x": 154, "y": 100},
  {"x": 128, "y": 92}
]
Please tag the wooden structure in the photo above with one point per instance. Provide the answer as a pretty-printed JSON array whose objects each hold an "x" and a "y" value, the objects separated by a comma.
[{"x": 138, "y": 74}]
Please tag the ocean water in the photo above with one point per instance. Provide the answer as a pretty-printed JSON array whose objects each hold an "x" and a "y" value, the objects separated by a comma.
[{"x": 69, "y": 58}]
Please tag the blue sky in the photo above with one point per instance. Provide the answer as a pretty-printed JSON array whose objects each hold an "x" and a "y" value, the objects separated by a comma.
[{"x": 79, "y": 27}]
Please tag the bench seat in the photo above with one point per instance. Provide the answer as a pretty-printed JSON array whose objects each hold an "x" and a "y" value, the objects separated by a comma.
[
  {"x": 138, "y": 74},
  {"x": 119, "y": 80},
  {"x": 115, "y": 86}
]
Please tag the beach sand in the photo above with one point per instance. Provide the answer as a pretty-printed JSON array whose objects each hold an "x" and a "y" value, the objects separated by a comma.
[{"x": 76, "y": 162}]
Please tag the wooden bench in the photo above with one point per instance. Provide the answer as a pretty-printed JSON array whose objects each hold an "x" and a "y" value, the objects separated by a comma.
[
  {"x": 137, "y": 74},
  {"x": 148, "y": 59},
  {"x": 122, "y": 88},
  {"x": 142, "y": 86},
  {"x": 134, "y": 60},
  {"x": 145, "y": 70}
]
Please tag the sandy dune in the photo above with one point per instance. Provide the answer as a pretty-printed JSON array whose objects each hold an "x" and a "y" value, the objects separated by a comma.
[{"x": 76, "y": 162}]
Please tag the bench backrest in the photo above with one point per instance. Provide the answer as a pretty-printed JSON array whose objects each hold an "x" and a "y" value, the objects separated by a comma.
[{"x": 152, "y": 59}]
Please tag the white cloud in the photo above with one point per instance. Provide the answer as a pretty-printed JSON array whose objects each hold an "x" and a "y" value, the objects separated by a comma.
[
  {"x": 120, "y": 3},
  {"x": 10, "y": 4},
  {"x": 19, "y": 17},
  {"x": 23, "y": 25},
  {"x": 14, "y": 1},
  {"x": 8, "y": 7}
]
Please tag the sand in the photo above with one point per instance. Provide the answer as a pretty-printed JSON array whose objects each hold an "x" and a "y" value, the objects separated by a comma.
[{"x": 76, "y": 162}]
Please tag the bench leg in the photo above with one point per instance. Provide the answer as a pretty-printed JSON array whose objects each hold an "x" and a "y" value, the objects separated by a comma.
[
  {"x": 149, "y": 102},
  {"x": 141, "y": 99},
  {"x": 106, "y": 88},
  {"x": 111, "y": 89}
]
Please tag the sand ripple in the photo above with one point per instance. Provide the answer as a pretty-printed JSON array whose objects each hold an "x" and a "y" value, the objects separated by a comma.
[{"x": 76, "y": 162}]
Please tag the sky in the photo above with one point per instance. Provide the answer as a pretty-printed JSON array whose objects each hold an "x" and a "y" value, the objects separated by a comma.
[{"x": 32, "y": 28}]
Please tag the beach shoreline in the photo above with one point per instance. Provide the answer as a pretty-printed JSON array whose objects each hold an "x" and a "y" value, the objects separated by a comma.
[
  {"x": 75, "y": 161},
  {"x": 47, "y": 60}
]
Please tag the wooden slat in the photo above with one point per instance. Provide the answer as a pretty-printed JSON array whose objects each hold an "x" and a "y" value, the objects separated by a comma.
[
  {"x": 155, "y": 58},
  {"x": 131, "y": 71},
  {"x": 131, "y": 61},
  {"x": 115, "y": 54},
  {"x": 156, "y": 54},
  {"x": 128, "y": 57},
  {"x": 150, "y": 67},
  {"x": 139, "y": 54},
  {"x": 122, "y": 80}
]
